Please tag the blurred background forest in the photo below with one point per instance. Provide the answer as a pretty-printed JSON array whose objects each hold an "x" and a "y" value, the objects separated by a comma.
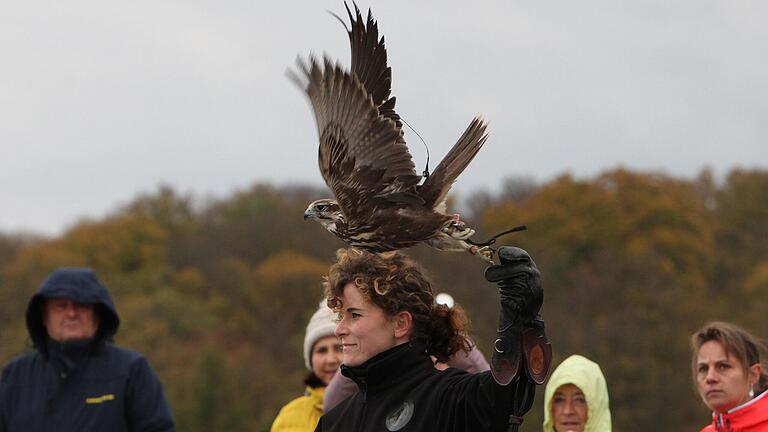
[{"x": 217, "y": 293}]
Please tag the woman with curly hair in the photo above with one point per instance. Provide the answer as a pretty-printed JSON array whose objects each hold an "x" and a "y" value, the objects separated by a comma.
[{"x": 390, "y": 325}]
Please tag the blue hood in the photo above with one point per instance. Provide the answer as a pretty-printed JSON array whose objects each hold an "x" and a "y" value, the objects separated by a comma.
[{"x": 79, "y": 285}]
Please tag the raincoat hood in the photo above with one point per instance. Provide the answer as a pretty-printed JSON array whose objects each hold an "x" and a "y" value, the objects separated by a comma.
[
  {"x": 79, "y": 285},
  {"x": 587, "y": 376}
]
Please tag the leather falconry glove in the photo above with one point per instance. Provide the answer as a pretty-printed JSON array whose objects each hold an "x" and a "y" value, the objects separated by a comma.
[{"x": 520, "y": 337}]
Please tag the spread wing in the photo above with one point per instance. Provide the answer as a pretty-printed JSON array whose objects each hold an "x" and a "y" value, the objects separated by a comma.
[
  {"x": 362, "y": 155},
  {"x": 369, "y": 61},
  {"x": 436, "y": 187}
]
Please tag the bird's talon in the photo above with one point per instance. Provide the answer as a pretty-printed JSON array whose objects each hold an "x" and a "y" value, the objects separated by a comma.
[
  {"x": 486, "y": 253},
  {"x": 458, "y": 230}
]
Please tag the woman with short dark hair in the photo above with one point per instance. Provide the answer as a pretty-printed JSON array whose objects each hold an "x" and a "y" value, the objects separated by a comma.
[{"x": 730, "y": 375}]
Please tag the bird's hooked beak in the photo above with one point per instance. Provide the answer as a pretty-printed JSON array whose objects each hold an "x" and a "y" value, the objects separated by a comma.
[{"x": 309, "y": 213}]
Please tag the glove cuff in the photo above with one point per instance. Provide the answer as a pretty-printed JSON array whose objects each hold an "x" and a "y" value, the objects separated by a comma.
[{"x": 527, "y": 348}]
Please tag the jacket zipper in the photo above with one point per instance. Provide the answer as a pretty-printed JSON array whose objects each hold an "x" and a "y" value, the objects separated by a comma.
[{"x": 361, "y": 420}]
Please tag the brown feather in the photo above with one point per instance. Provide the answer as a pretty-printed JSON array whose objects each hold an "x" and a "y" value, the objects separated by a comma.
[
  {"x": 361, "y": 153},
  {"x": 435, "y": 188}
]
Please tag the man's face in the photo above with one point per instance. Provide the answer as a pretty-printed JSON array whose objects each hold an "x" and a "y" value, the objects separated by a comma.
[{"x": 66, "y": 320}]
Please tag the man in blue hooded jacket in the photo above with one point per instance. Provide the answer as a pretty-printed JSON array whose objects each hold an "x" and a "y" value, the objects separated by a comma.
[{"x": 76, "y": 379}]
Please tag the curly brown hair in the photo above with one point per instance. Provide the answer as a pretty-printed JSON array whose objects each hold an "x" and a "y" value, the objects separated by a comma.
[
  {"x": 396, "y": 283},
  {"x": 737, "y": 342}
]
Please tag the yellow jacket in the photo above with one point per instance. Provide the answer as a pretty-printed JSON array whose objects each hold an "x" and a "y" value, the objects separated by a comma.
[{"x": 301, "y": 414}]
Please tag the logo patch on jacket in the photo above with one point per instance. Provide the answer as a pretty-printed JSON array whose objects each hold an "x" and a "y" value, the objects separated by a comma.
[
  {"x": 100, "y": 399},
  {"x": 400, "y": 417}
]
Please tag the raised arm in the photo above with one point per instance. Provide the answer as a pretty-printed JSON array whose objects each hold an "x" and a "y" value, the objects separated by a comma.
[{"x": 522, "y": 354}]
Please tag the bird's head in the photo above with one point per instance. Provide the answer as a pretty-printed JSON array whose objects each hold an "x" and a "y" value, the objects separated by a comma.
[{"x": 326, "y": 211}]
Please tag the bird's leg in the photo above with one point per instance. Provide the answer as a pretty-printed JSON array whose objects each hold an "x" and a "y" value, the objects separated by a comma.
[
  {"x": 485, "y": 252},
  {"x": 457, "y": 229}
]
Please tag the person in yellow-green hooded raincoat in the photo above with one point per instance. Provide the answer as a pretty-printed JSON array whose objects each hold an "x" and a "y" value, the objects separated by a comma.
[
  {"x": 322, "y": 356},
  {"x": 576, "y": 398}
]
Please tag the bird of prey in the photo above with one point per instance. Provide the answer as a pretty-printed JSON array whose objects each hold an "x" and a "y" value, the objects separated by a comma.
[{"x": 381, "y": 203}]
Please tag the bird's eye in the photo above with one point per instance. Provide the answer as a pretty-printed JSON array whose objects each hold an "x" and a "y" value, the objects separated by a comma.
[{"x": 321, "y": 207}]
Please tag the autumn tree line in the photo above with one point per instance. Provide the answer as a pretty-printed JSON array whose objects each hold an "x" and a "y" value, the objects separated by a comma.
[{"x": 217, "y": 293}]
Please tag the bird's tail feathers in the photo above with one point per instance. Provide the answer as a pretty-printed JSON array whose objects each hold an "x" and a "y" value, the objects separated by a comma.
[{"x": 436, "y": 187}]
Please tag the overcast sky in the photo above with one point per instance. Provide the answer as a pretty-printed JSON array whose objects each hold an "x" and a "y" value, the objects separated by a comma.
[{"x": 102, "y": 100}]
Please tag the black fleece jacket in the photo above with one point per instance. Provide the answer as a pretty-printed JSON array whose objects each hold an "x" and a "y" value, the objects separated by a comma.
[{"x": 400, "y": 390}]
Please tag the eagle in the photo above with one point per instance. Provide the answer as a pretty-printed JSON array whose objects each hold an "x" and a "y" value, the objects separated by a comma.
[{"x": 381, "y": 204}]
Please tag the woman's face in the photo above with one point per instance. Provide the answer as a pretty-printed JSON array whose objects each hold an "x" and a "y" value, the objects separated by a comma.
[
  {"x": 326, "y": 358},
  {"x": 569, "y": 409},
  {"x": 721, "y": 379},
  {"x": 365, "y": 330}
]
